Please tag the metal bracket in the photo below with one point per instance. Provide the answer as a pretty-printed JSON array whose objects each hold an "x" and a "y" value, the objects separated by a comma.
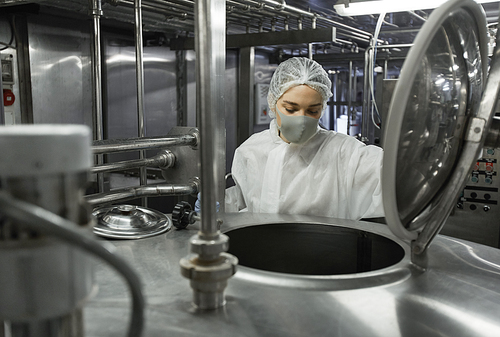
[{"x": 476, "y": 130}]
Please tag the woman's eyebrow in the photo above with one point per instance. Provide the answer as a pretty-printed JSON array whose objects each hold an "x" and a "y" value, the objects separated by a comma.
[{"x": 295, "y": 104}]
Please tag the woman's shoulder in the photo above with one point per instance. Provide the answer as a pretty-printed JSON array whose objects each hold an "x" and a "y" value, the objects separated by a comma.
[{"x": 345, "y": 142}]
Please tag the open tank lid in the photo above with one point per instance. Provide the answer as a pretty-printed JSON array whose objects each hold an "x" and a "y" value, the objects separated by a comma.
[
  {"x": 434, "y": 131},
  {"x": 130, "y": 222}
]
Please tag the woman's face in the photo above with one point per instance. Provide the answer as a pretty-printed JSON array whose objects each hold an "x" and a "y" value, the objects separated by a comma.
[{"x": 300, "y": 100}]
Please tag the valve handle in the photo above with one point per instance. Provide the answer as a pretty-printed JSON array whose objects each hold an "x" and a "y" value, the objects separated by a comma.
[{"x": 182, "y": 215}]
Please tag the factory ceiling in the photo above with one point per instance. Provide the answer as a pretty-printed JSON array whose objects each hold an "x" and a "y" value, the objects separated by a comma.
[{"x": 175, "y": 18}]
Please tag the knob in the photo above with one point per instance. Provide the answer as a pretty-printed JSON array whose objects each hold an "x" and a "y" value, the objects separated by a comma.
[
  {"x": 486, "y": 208},
  {"x": 183, "y": 215}
]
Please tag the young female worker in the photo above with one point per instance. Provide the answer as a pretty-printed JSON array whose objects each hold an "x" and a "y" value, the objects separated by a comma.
[{"x": 295, "y": 167}]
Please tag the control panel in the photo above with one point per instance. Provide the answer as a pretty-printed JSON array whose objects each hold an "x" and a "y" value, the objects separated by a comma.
[{"x": 477, "y": 216}]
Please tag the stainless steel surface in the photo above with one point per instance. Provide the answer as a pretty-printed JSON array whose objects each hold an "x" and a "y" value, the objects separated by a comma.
[
  {"x": 142, "y": 191},
  {"x": 210, "y": 56},
  {"x": 134, "y": 144},
  {"x": 43, "y": 281},
  {"x": 139, "y": 70},
  {"x": 459, "y": 295},
  {"x": 493, "y": 138},
  {"x": 59, "y": 56},
  {"x": 208, "y": 267},
  {"x": 164, "y": 160},
  {"x": 187, "y": 164},
  {"x": 425, "y": 151},
  {"x": 129, "y": 222},
  {"x": 65, "y": 232},
  {"x": 96, "y": 62}
]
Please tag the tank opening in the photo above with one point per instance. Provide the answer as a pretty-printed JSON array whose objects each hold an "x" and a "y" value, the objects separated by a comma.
[{"x": 312, "y": 249}]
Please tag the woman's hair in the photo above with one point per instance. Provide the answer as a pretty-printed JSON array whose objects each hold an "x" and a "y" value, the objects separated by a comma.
[{"x": 294, "y": 72}]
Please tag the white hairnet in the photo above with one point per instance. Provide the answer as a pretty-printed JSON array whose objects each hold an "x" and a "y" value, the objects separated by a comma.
[{"x": 294, "y": 72}]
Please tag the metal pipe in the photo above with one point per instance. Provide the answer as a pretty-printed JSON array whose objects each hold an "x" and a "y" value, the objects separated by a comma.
[
  {"x": 163, "y": 160},
  {"x": 134, "y": 144},
  {"x": 366, "y": 96},
  {"x": 139, "y": 64},
  {"x": 37, "y": 218},
  {"x": 349, "y": 97},
  {"x": 140, "y": 192},
  {"x": 366, "y": 89},
  {"x": 210, "y": 41},
  {"x": 96, "y": 13}
]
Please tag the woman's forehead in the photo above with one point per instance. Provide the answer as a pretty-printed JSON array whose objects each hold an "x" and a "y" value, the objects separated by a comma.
[{"x": 301, "y": 94}]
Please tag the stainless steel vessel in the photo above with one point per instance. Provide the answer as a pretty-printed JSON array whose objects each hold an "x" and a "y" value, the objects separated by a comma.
[
  {"x": 311, "y": 276},
  {"x": 458, "y": 295}
]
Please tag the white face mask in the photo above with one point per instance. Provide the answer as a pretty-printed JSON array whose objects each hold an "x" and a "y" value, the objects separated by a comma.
[{"x": 297, "y": 129}]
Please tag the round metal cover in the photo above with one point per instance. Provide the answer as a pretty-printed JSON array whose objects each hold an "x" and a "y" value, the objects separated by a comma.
[
  {"x": 438, "y": 93},
  {"x": 130, "y": 222}
]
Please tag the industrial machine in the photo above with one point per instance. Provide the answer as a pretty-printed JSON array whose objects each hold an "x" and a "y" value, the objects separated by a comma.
[{"x": 257, "y": 274}]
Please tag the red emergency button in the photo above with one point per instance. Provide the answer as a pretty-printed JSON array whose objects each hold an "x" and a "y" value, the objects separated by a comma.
[{"x": 8, "y": 97}]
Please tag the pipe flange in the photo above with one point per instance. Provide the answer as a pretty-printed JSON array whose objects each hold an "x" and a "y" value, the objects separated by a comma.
[
  {"x": 216, "y": 270},
  {"x": 208, "y": 279},
  {"x": 209, "y": 248}
]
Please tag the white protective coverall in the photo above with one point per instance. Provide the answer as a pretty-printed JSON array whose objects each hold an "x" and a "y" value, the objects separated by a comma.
[{"x": 332, "y": 175}]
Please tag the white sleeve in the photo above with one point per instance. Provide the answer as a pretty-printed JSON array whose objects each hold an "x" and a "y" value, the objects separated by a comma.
[
  {"x": 234, "y": 200},
  {"x": 366, "y": 193}
]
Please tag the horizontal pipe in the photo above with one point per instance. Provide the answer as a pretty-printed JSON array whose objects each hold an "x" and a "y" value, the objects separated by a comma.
[
  {"x": 163, "y": 160},
  {"x": 140, "y": 192},
  {"x": 133, "y": 144}
]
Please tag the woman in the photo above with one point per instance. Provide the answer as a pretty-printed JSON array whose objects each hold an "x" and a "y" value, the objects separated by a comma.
[{"x": 295, "y": 167}]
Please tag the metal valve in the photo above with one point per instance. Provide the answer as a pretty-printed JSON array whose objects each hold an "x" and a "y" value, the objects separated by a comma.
[{"x": 183, "y": 215}]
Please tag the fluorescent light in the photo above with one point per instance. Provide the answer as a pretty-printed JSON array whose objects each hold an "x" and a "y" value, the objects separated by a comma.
[{"x": 390, "y": 6}]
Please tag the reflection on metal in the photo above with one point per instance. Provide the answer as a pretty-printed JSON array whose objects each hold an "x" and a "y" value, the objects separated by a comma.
[
  {"x": 130, "y": 222},
  {"x": 367, "y": 99},
  {"x": 143, "y": 191},
  {"x": 427, "y": 157},
  {"x": 96, "y": 13},
  {"x": 134, "y": 144},
  {"x": 493, "y": 137},
  {"x": 459, "y": 296},
  {"x": 43, "y": 291},
  {"x": 164, "y": 160},
  {"x": 208, "y": 267}
]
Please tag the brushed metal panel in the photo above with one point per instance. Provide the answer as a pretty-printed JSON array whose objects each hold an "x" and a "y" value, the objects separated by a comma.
[{"x": 60, "y": 70}]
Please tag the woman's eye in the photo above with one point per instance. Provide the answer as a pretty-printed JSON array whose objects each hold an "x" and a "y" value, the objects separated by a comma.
[
  {"x": 313, "y": 112},
  {"x": 291, "y": 111}
]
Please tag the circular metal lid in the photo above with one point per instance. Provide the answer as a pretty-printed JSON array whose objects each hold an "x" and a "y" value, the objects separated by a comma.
[
  {"x": 130, "y": 222},
  {"x": 437, "y": 96}
]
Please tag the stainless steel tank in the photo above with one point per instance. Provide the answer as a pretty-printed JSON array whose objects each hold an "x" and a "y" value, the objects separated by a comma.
[{"x": 313, "y": 276}]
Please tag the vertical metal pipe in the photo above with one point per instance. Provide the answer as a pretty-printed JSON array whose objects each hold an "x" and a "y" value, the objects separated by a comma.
[
  {"x": 96, "y": 13},
  {"x": 210, "y": 42},
  {"x": 349, "y": 98},
  {"x": 366, "y": 95},
  {"x": 139, "y": 65},
  {"x": 2, "y": 110}
]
